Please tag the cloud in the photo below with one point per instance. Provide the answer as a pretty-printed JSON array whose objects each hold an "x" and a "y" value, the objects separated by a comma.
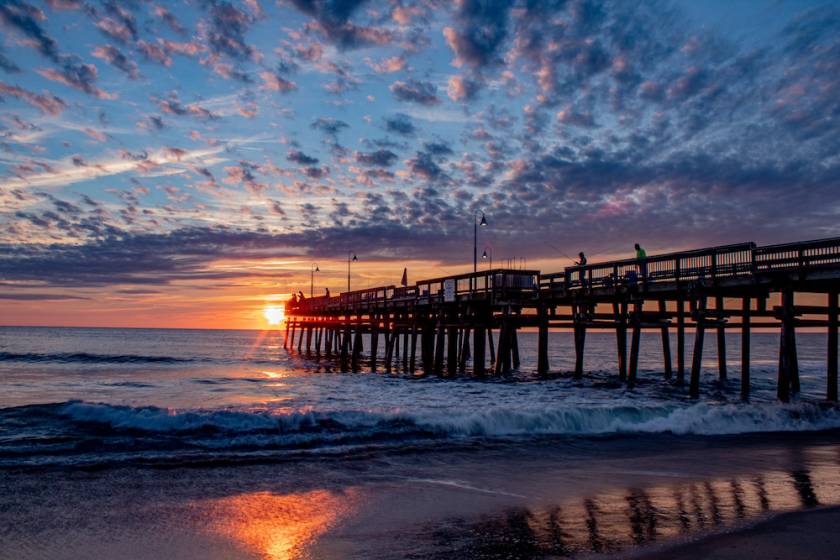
[
  {"x": 276, "y": 82},
  {"x": 388, "y": 65},
  {"x": 34, "y": 296},
  {"x": 46, "y": 102},
  {"x": 332, "y": 19},
  {"x": 462, "y": 89},
  {"x": 414, "y": 91},
  {"x": 482, "y": 28},
  {"x": 76, "y": 74},
  {"x": 113, "y": 56},
  {"x": 225, "y": 32},
  {"x": 329, "y": 125},
  {"x": 299, "y": 157},
  {"x": 399, "y": 123},
  {"x": 24, "y": 18},
  {"x": 378, "y": 158}
]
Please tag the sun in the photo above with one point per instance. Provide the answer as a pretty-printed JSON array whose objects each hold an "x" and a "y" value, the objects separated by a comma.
[{"x": 274, "y": 314}]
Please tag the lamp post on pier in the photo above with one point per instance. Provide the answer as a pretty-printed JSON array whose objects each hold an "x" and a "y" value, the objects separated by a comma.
[
  {"x": 476, "y": 223},
  {"x": 351, "y": 257},
  {"x": 313, "y": 269},
  {"x": 485, "y": 256}
]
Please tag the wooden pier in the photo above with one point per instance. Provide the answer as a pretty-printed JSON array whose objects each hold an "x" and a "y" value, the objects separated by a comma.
[{"x": 470, "y": 322}]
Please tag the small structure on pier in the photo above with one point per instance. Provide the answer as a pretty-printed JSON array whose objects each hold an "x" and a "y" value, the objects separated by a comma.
[{"x": 474, "y": 319}]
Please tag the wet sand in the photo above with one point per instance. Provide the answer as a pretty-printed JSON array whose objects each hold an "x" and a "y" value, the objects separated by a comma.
[
  {"x": 544, "y": 499},
  {"x": 803, "y": 535}
]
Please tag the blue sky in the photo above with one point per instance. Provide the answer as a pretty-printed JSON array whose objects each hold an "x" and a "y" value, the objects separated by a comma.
[{"x": 146, "y": 145}]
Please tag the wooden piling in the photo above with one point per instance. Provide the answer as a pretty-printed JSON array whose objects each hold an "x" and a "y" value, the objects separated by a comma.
[
  {"x": 831, "y": 390},
  {"x": 721, "y": 338},
  {"x": 542, "y": 342},
  {"x": 620, "y": 313},
  {"x": 479, "y": 335},
  {"x": 491, "y": 344},
  {"x": 464, "y": 351},
  {"x": 345, "y": 347},
  {"x": 697, "y": 355},
  {"x": 413, "y": 360},
  {"x": 680, "y": 339},
  {"x": 745, "y": 348},
  {"x": 440, "y": 343},
  {"x": 357, "y": 348},
  {"x": 635, "y": 340},
  {"x": 580, "y": 339},
  {"x": 514, "y": 346},
  {"x": 666, "y": 340},
  {"x": 374, "y": 340},
  {"x": 452, "y": 350}
]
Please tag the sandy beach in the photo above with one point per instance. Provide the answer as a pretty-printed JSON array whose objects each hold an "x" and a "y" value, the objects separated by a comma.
[
  {"x": 804, "y": 535},
  {"x": 554, "y": 499}
]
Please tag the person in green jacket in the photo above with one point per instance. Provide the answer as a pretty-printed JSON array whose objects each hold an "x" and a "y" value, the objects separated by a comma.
[{"x": 641, "y": 254}]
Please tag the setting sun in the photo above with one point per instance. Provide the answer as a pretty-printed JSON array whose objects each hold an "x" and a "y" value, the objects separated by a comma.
[{"x": 274, "y": 314}]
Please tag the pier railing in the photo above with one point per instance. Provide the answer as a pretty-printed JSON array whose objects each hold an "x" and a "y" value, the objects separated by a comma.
[
  {"x": 707, "y": 266},
  {"x": 490, "y": 285},
  {"x": 803, "y": 256}
]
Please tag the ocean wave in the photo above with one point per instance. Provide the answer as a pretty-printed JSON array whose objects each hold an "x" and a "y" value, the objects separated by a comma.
[
  {"x": 99, "y": 431},
  {"x": 84, "y": 357}
]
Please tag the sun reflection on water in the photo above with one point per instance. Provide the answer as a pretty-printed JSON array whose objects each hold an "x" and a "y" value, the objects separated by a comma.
[{"x": 278, "y": 526}]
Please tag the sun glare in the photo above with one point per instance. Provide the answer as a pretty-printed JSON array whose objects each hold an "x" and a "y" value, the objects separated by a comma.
[{"x": 274, "y": 314}]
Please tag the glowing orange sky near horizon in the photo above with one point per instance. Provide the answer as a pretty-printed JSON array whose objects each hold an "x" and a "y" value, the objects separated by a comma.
[{"x": 239, "y": 303}]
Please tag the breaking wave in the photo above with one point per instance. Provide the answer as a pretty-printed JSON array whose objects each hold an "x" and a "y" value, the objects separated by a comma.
[
  {"x": 88, "y": 433},
  {"x": 84, "y": 357}
]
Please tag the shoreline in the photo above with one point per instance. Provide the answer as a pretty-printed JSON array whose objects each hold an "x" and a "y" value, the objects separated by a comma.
[{"x": 803, "y": 534}]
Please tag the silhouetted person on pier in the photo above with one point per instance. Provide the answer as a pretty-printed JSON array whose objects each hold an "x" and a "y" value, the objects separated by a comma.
[
  {"x": 293, "y": 302},
  {"x": 327, "y": 293},
  {"x": 641, "y": 254},
  {"x": 301, "y": 298},
  {"x": 581, "y": 262}
]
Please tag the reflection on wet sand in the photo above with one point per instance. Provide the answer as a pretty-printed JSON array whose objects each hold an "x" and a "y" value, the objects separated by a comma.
[
  {"x": 614, "y": 521},
  {"x": 276, "y": 526}
]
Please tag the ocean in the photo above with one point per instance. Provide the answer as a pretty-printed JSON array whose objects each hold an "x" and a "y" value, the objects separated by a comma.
[{"x": 202, "y": 443}]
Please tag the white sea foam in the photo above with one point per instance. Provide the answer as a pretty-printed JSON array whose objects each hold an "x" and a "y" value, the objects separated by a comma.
[{"x": 698, "y": 418}]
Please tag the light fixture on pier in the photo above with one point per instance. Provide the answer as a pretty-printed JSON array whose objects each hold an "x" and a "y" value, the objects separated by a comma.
[
  {"x": 476, "y": 223},
  {"x": 351, "y": 257},
  {"x": 313, "y": 269},
  {"x": 485, "y": 256}
]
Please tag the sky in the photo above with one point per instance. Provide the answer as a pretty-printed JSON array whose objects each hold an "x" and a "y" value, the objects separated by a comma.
[{"x": 185, "y": 164}]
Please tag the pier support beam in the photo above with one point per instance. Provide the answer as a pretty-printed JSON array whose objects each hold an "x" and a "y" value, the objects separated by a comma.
[
  {"x": 831, "y": 390},
  {"x": 745, "y": 348},
  {"x": 440, "y": 340},
  {"x": 620, "y": 313},
  {"x": 452, "y": 348},
  {"x": 697, "y": 355},
  {"x": 788, "y": 368},
  {"x": 666, "y": 340},
  {"x": 680, "y": 340},
  {"x": 479, "y": 335},
  {"x": 357, "y": 348},
  {"x": 721, "y": 338},
  {"x": 635, "y": 340},
  {"x": 580, "y": 339},
  {"x": 542, "y": 342},
  {"x": 374, "y": 340}
]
